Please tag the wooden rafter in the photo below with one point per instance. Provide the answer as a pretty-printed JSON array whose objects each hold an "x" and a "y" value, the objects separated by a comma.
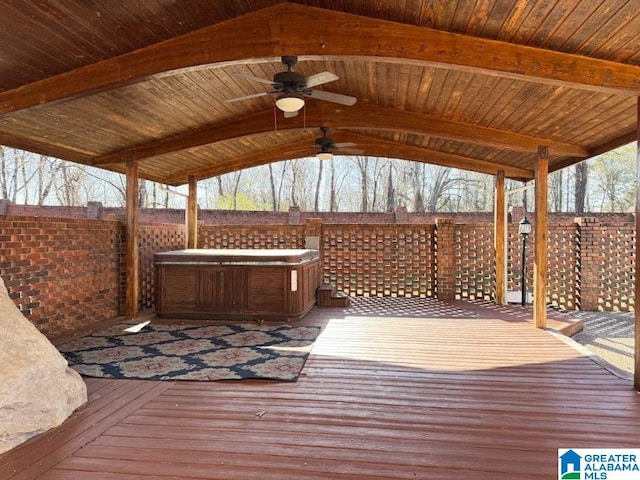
[
  {"x": 285, "y": 28},
  {"x": 360, "y": 116},
  {"x": 302, "y": 148},
  {"x": 371, "y": 146}
]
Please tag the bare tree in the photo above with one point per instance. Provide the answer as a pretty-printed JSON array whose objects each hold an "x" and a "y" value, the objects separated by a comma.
[
  {"x": 272, "y": 181},
  {"x": 443, "y": 187},
  {"x": 48, "y": 169},
  {"x": 333, "y": 204},
  {"x": 556, "y": 191},
  {"x": 378, "y": 185},
  {"x": 363, "y": 166},
  {"x": 8, "y": 174},
  {"x": 69, "y": 190},
  {"x": 316, "y": 203},
  {"x": 581, "y": 178},
  {"x": 391, "y": 194},
  {"x": 418, "y": 182},
  {"x": 16, "y": 178},
  {"x": 236, "y": 187},
  {"x": 4, "y": 173},
  {"x": 115, "y": 182}
]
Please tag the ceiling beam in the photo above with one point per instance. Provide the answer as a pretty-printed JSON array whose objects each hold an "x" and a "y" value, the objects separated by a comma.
[
  {"x": 288, "y": 151},
  {"x": 289, "y": 28},
  {"x": 617, "y": 142},
  {"x": 360, "y": 116},
  {"x": 45, "y": 148},
  {"x": 385, "y": 148},
  {"x": 374, "y": 147}
]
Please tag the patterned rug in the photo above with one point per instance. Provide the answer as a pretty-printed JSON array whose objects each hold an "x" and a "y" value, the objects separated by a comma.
[{"x": 193, "y": 352}]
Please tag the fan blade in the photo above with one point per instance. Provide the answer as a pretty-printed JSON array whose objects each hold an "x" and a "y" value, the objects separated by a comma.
[
  {"x": 320, "y": 78},
  {"x": 352, "y": 151},
  {"x": 254, "y": 78},
  {"x": 333, "y": 97},
  {"x": 345, "y": 144},
  {"x": 246, "y": 97},
  {"x": 290, "y": 114}
]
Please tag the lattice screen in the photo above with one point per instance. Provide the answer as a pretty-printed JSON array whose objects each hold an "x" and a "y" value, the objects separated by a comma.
[
  {"x": 616, "y": 267},
  {"x": 474, "y": 261},
  {"x": 562, "y": 260},
  {"x": 253, "y": 237},
  {"x": 153, "y": 239},
  {"x": 381, "y": 260}
]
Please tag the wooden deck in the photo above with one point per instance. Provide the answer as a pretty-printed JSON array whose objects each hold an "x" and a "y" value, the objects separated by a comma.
[{"x": 392, "y": 390}]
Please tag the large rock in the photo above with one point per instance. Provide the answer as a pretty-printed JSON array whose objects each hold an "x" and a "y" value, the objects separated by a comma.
[{"x": 38, "y": 391}]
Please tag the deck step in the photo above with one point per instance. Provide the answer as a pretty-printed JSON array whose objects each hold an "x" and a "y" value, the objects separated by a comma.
[{"x": 326, "y": 296}]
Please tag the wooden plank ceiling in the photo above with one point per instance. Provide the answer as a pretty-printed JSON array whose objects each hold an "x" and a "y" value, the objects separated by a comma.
[{"x": 476, "y": 85}]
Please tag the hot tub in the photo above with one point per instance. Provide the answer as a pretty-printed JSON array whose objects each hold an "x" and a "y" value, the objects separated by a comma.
[{"x": 236, "y": 284}]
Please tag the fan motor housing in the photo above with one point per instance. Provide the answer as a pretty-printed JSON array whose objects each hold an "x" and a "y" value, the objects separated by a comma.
[
  {"x": 324, "y": 142},
  {"x": 289, "y": 81}
]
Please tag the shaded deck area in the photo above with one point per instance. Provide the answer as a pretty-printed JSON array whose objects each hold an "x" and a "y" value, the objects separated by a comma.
[{"x": 393, "y": 389}]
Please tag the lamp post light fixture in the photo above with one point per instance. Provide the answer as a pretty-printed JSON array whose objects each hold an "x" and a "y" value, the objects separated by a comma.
[{"x": 524, "y": 229}]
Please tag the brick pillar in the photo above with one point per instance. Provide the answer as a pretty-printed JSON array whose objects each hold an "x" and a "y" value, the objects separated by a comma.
[
  {"x": 445, "y": 259},
  {"x": 294, "y": 216},
  {"x": 401, "y": 215},
  {"x": 589, "y": 258},
  {"x": 516, "y": 214},
  {"x": 94, "y": 210},
  {"x": 4, "y": 207}
]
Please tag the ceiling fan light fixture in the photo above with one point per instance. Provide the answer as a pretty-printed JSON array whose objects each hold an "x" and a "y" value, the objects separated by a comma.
[
  {"x": 290, "y": 103},
  {"x": 324, "y": 155}
]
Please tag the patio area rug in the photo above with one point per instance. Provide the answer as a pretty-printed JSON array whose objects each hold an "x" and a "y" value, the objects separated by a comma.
[{"x": 193, "y": 352}]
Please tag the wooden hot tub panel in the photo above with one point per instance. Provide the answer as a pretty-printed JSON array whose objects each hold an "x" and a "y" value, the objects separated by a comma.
[{"x": 228, "y": 284}]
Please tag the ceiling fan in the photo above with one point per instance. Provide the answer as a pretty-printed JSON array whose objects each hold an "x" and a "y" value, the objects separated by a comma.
[
  {"x": 291, "y": 88},
  {"x": 325, "y": 146}
]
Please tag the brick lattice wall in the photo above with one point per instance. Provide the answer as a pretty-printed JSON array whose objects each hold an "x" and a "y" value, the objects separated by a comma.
[
  {"x": 251, "y": 236},
  {"x": 63, "y": 274},
  {"x": 618, "y": 268},
  {"x": 473, "y": 262},
  {"x": 153, "y": 239},
  {"x": 605, "y": 278},
  {"x": 379, "y": 260},
  {"x": 562, "y": 260}
]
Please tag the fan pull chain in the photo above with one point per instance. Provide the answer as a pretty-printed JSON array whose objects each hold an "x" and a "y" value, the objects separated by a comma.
[{"x": 275, "y": 119}]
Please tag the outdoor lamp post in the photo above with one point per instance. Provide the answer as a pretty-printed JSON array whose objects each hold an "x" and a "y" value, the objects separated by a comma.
[{"x": 524, "y": 229}]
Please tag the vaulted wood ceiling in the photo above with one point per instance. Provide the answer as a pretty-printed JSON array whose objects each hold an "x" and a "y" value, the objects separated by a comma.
[{"x": 469, "y": 84}]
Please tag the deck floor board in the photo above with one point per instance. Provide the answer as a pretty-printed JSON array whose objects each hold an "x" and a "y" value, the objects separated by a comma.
[{"x": 381, "y": 397}]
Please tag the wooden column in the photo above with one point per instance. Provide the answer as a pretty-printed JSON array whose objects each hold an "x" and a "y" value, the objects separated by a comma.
[
  {"x": 131, "y": 309},
  {"x": 636, "y": 371},
  {"x": 192, "y": 214},
  {"x": 500, "y": 238},
  {"x": 541, "y": 226}
]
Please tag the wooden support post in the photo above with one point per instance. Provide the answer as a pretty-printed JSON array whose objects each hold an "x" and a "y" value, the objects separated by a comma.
[
  {"x": 500, "y": 238},
  {"x": 540, "y": 239},
  {"x": 192, "y": 214},
  {"x": 636, "y": 371},
  {"x": 131, "y": 309}
]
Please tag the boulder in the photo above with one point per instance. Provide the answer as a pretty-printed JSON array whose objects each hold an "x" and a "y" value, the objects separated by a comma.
[{"x": 38, "y": 390}]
